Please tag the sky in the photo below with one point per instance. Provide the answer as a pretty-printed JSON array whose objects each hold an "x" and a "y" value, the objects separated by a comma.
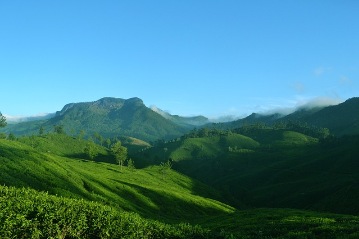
[{"x": 188, "y": 57}]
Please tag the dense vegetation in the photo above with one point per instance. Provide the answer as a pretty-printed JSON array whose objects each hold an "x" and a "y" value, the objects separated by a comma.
[
  {"x": 204, "y": 184},
  {"x": 145, "y": 191},
  {"x": 341, "y": 119},
  {"x": 261, "y": 166},
  {"x": 110, "y": 117},
  {"x": 26, "y": 213}
]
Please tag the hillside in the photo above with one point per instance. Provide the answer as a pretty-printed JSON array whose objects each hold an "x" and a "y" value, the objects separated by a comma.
[
  {"x": 266, "y": 167},
  {"x": 249, "y": 167},
  {"x": 32, "y": 214},
  {"x": 148, "y": 192},
  {"x": 111, "y": 117},
  {"x": 342, "y": 119}
]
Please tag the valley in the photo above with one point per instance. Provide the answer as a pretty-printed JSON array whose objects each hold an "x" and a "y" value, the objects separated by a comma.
[{"x": 293, "y": 176}]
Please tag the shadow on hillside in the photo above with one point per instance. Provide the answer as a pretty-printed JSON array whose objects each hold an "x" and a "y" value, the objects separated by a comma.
[
  {"x": 100, "y": 158},
  {"x": 159, "y": 204},
  {"x": 177, "y": 207}
]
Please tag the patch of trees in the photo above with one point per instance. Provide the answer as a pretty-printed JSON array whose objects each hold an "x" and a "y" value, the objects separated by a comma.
[
  {"x": 206, "y": 132},
  {"x": 297, "y": 126}
]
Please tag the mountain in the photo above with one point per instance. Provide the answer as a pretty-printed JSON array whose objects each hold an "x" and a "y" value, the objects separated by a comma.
[
  {"x": 183, "y": 121},
  {"x": 254, "y": 118},
  {"x": 112, "y": 117},
  {"x": 341, "y": 119}
]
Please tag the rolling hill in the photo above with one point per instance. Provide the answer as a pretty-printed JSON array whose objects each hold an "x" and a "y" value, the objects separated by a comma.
[
  {"x": 267, "y": 167},
  {"x": 56, "y": 164},
  {"x": 95, "y": 199}
]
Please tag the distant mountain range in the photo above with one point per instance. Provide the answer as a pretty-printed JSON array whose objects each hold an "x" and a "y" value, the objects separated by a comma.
[
  {"x": 113, "y": 117},
  {"x": 341, "y": 119}
]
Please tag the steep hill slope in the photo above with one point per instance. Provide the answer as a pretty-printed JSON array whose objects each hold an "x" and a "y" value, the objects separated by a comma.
[{"x": 150, "y": 192}]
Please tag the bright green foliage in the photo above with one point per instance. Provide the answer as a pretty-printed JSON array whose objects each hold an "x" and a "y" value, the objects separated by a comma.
[
  {"x": 142, "y": 191},
  {"x": 131, "y": 165},
  {"x": 120, "y": 153},
  {"x": 90, "y": 150},
  {"x": 64, "y": 145},
  {"x": 165, "y": 167},
  {"x": 26, "y": 213}
]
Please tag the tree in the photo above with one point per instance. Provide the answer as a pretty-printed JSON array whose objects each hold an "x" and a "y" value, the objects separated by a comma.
[
  {"x": 59, "y": 129},
  {"x": 2, "y": 135},
  {"x": 90, "y": 150},
  {"x": 11, "y": 136},
  {"x": 99, "y": 138},
  {"x": 108, "y": 143},
  {"x": 165, "y": 167},
  {"x": 120, "y": 153},
  {"x": 2, "y": 121},
  {"x": 41, "y": 130},
  {"x": 131, "y": 165},
  {"x": 81, "y": 134}
]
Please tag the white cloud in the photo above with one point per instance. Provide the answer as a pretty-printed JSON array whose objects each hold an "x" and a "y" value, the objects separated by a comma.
[
  {"x": 320, "y": 102},
  {"x": 343, "y": 80},
  {"x": 300, "y": 103},
  {"x": 19, "y": 118},
  {"x": 319, "y": 71}
]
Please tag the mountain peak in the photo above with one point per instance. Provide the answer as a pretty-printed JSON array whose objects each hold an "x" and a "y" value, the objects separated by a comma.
[{"x": 134, "y": 101}]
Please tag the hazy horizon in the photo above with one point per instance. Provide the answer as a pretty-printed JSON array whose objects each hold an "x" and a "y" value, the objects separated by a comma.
[{"x": 317, "y": 102}]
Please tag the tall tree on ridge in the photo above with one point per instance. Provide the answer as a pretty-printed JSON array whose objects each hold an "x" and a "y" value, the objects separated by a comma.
[{"x": 2, "y": 121}]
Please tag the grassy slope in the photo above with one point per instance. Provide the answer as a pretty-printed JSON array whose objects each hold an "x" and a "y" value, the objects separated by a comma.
[
  {"x": 146, "y": 191},
  {"x": 170, "y": 197},
  {"x": 29, "y": 214},
  {"x": 273, "y": 168}
]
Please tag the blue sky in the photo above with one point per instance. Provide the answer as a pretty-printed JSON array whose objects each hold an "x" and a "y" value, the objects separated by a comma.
[{"x": 188, "y": 57}]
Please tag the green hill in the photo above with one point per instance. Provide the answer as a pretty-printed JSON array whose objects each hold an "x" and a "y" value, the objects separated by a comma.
[
  {"x": 342, "y": 119},
  {"x": 148, "y": 191},
  {"x": 95, "y": 199},
  {"x": 267, "y": 167}
]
